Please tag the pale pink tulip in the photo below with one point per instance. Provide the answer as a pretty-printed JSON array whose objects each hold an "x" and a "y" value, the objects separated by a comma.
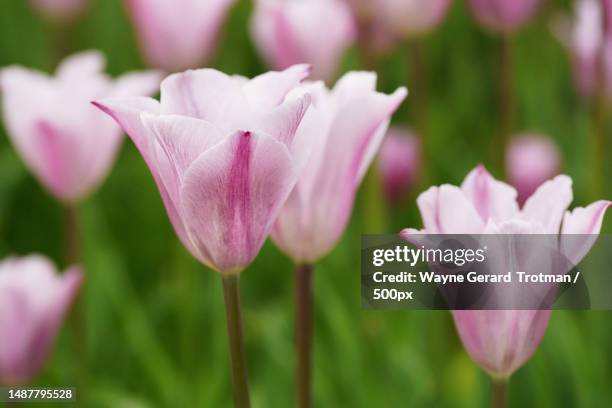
[
  {"x": 346, "y": 126},
  {"x": 399, "y": 163},
  {"x": 316, "y": 32},
  {"x": 412, "y": 18},
  {"x": 223, "y": 153},
  {"x": 178, "y": 34},
  {"x": 504, "y": 15},
  {"x": 531, "y": 159},
  {"x": 589, "y": 43},
  {"x": 34, "y": 300},
  {"x": 60, "y": 10},
  {"x": 64, "y": 141},
  {"x": 501, "y": 341}
]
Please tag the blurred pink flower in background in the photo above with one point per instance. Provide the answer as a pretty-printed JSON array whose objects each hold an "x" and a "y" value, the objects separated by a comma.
[
  {"x": 346, "y": 126},
  {"x": 34, "y": 300},
  {"x": 64, "y": 141},
  {"x": 589, "y": 43},
  {"x": 501, "y": 341},
  {"x": 411, "y": 18},
  {"x": 60, "y": 10},
  {"x": 224, "y": 153},
  {"x": 399, "y": 162},
  {"x": 504, "y": 15},
  {"x": 531, "y": 159},
  {"x": 316, "y": 32},
  {"x": 179, "y": 34}
]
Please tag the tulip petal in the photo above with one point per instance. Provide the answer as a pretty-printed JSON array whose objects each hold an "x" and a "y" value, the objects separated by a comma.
[
  {"x": 501, "y": 341},
  {"x": 586, "y": 222},
  {"x": 201, "y": 93},
  {"x": 492, "y": 199},
  {"x": 289, "y": 32},
  {"x": 383, "y": 105},
  {"x": 531, "y": 159},
  {"x": 180, "y": 34},
  {"x": 56, "y": 155},
  {"x": 282, "y": 122},
  {"x": 399, "y": 163},
  {"x": 446, "y": 210},
  {"x": 356, "y": 133},
  {"x": 127, "y": 112},
  {"x": 547, "y": 205},
  {"x": 269, "y": 90},
  {"x": 355, "y": 81},
  {"x": 81, "y": 65},
  {"x": 231, "y": 196},
  {"x": 414, "y": 236},
  {"x": 67, "y": 290},
  {"x": 183, "y": 140},
  {"x": 34, "y": 299}
]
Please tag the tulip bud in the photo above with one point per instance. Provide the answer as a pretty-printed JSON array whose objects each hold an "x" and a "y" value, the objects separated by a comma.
[
  {"x": 531, "y": 159},
  {"x": 64, "y": 11},
  {"x": 179, "y": 34},
  {"x": 412, "y": 18},
  {"x": 64, "y": 141},
  {"x": 316, "y": 32},
  {"x": 399, "y": 161},
  {"x": 34, "y": 300},
  {"x": 583, "y": 37},
  {"x": 504, "y": 15}
]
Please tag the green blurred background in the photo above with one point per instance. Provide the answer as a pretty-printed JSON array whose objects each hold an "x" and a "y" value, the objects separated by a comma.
[{"x": 155, "y": 317}]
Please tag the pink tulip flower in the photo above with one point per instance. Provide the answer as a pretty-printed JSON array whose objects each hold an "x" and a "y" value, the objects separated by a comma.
[
  {"x": 346, "y": 126},
  {"x": 64, "y": 141},
  {"x": 412, "y": 18},
  {"x": 531, "y": 159},
  {"x": 60, "y": 10},
  {"x": 224, "y": 154},
  {"x": 316, "y": 32},
  {"x": 179, "y": 34},
  {"x": 399, "y": 162},
  {"x": 34, "y": 299},
  {"x": 589, "y": 43},
  {"x": 504, "y": 15},
  {"x": 501, "y": 341}
]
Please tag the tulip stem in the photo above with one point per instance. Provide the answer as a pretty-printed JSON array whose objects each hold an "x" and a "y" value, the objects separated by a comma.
[
  {"x": 364, "y": 46},
  {"x": 506, "y": 99},
  {"x": 60, "y": 42},
  {"x": 597, "y": 146},
  {"x": 418, "y": 100},
  {"x": 72, "y": 253},
  {"x": 72, "y": 244},
  {"x": 499, "y": 393},
  {"x": 303, "y": 334},
  {"x": 374, "y": 220},
  {"x": 231, "y": 294}
]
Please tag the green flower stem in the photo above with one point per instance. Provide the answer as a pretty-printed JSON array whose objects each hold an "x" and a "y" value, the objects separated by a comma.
[
  {"x": 506, "y": 100},
  {"x": 231, "y": 294},
  {"x": 499, "y": 393},
  {"x": 72, "y": 256},
  {"x": 597, "y": 147},
  {"x": 303, "y": 334},
  {"x": 375, "y": 209},
  {"x": 418, "y": 102}
]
